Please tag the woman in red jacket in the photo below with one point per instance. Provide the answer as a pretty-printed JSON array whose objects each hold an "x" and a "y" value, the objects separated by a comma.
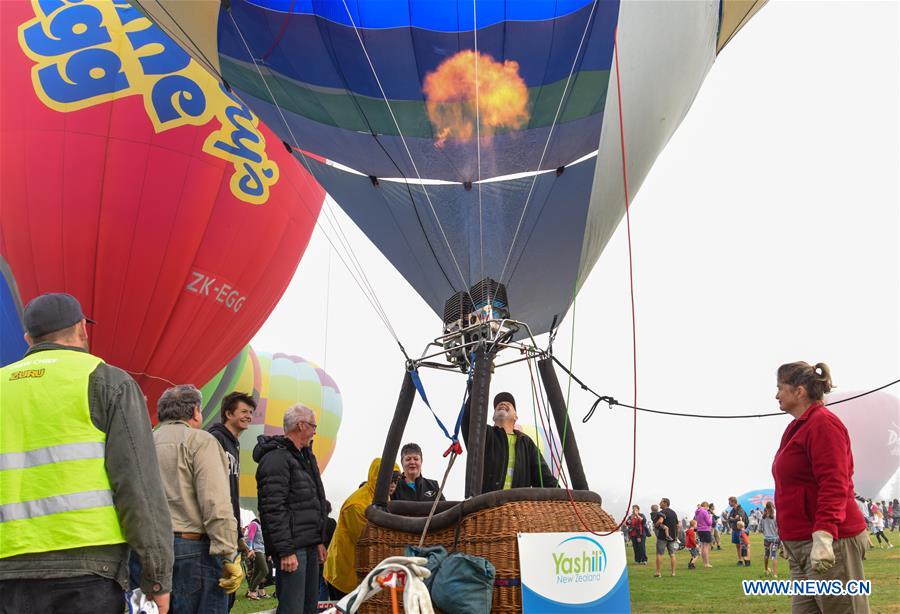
[
  {"x": 820, "y": 525},
  {"x": 636, "y": 531}
]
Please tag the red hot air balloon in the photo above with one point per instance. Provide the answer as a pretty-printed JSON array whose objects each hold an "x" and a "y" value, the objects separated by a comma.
[{"x": 134, "y": 181}]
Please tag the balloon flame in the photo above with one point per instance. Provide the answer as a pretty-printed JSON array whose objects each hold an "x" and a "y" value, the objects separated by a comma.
[{"x": 450, "y": 97}]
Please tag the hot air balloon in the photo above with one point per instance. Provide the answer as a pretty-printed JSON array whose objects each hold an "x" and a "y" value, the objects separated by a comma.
[
  {"x": 756, "y": 498},
  {"x": 873, "y": 422},
  {"x": 276, "y": 381},
  {"x": 135, "y": 181},
  {"x": 485, "y": 149},
  {"x": 547, "y": 444}
]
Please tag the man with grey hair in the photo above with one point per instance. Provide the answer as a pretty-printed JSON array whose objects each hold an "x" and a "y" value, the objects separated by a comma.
[
  {"x": 292, "y": 510},
  {"x": 194, "y": 472}
]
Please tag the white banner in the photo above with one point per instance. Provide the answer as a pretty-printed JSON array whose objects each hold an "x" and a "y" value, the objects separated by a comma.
[{"x": 573, "y": 571}]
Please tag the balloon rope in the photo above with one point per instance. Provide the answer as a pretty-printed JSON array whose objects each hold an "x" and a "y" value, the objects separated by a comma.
[
  {"x": 280, "y": 35},
  {"x": 630, "y": 281},
  {"x": 633, "y": 319}
]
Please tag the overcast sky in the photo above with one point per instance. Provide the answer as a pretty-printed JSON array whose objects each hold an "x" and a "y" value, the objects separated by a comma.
[{"x": 766, "y": 232}]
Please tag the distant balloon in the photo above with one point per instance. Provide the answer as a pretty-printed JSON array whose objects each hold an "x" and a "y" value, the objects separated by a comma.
[
  {"x": 277, "y": 382},
  {"x": 135, "y": 182},
  {"x": 552, "y": 456},
  {"x": 873, "y": 422},
  {"x": 241, "y": 374},
  {"x": 756, "y": 498}
]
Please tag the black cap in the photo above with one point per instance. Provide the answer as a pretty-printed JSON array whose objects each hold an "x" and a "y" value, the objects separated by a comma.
[
  {"x": 51, "y": 312},
  {"x": 395, "y": 476},
  {"x": 504, "y": 396}
]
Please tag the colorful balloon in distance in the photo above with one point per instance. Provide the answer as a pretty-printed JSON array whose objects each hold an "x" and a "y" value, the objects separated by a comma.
[
  {"x": 538, "y": 434},
  {"x": 523, "y": 93},
  {"x": 276, "y": 381},
  {"x": 873, "y": 422},
  {"x": 756, "y": 498},
  {"x": 240, "y": 374},
  {"x": 135, "y": 182}
]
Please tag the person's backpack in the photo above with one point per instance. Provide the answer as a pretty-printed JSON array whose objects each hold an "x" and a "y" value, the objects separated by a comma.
[{"x": 744, "y": 518}]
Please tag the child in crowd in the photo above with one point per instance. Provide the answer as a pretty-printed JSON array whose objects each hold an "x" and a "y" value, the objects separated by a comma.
[
  {"x": 690, "y": 542},
  {"x": 655, "y": 514},
  {"x": 770, "y": 539},
  {"x": 745, "y": 545},
  {"x": 878, "y": 529}
]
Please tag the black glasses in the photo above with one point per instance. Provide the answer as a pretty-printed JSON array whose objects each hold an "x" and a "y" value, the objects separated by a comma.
[{"x": 312, "y": 424}]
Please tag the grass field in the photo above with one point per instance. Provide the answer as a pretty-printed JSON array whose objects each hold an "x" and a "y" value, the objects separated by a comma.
[
  {"x": 719, "y": 589},
  {"x": 713, "y": 590}
]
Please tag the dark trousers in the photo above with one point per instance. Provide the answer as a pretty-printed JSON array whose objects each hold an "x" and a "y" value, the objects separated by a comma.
[
  {"x": 195, "y": 579},
  {"x": 298, "y": 591},
  {"x": 260, "y": 572},
  {"x": 640, "y": 549},
  {"x": 62, "y": 595}
]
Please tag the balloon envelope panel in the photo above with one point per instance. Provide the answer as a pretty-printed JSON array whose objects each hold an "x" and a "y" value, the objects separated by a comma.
[
  {"x": 135, "y": 182},
  {"x": 873, "y": 422}
]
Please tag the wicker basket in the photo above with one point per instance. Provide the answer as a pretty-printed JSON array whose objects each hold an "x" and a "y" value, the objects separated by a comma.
[{"x": 490, "y": 533}]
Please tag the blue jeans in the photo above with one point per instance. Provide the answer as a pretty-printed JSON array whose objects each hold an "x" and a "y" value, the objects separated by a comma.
[
  {"x": 195, "y": 579},
  {"x": 298, "y": 591}
]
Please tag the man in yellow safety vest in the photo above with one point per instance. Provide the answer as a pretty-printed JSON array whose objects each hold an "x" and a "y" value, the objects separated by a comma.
[{"x": 79, "y": 482}]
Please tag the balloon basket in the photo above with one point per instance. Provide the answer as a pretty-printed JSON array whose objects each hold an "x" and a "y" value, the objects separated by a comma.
[{"x": 486, "y": 525}]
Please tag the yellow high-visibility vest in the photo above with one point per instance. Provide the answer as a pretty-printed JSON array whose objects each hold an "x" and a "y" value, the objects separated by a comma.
[{"x": 54, "y": 490}]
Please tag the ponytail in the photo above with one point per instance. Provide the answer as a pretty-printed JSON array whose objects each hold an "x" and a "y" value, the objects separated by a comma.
[{"x": 815, "y": 379}]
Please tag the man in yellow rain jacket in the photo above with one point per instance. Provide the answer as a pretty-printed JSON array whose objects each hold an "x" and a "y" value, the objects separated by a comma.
[{"x": 340, "y": 566}]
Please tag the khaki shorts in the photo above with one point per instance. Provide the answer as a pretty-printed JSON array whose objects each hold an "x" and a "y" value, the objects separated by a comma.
[
  {"x": 662, "y": 545},
  {"x": 848, "y": 565}
]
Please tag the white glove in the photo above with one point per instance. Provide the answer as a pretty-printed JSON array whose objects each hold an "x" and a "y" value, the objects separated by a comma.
[
  {"x": 822, "y": 554},
  {"x": 139, "y": 604}
]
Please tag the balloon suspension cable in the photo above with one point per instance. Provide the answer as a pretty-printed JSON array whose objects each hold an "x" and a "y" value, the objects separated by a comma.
[
  {"x": 559, "y": 107},
  {"x": 360, "y": 278},
  {"x": 465, "y": 285},
  {"x": 633, "y": 319},
  {"x": 202, "y": 59},
  {"x": 478, "y": 137}
]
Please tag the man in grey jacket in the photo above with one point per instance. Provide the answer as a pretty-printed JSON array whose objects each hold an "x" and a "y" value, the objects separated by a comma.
[{"x": 89, "y": 578}]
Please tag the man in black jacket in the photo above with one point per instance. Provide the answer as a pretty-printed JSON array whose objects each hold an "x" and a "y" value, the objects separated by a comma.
[
  {"x": 413, "y": 486},
  {"x": 511, "y": 460},
  {"x": 237, "y": 413},
  {"x": 292, "y": 510}
]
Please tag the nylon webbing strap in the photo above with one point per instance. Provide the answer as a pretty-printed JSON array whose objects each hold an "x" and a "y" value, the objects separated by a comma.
[{"x": 417, "y": 382}]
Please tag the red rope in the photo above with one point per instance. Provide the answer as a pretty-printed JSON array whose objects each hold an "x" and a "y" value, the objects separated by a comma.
[
  {"x": 281, "y": 32},
  {"x": 633, "y": 318}
]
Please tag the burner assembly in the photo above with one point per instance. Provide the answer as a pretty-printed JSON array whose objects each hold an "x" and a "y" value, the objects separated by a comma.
[{"x": 470, "y": 318}]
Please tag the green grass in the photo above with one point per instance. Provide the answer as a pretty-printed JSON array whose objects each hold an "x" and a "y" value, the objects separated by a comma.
[
  {"x": 711, "y": 590},
  {"x": 719, "y": 589}
]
